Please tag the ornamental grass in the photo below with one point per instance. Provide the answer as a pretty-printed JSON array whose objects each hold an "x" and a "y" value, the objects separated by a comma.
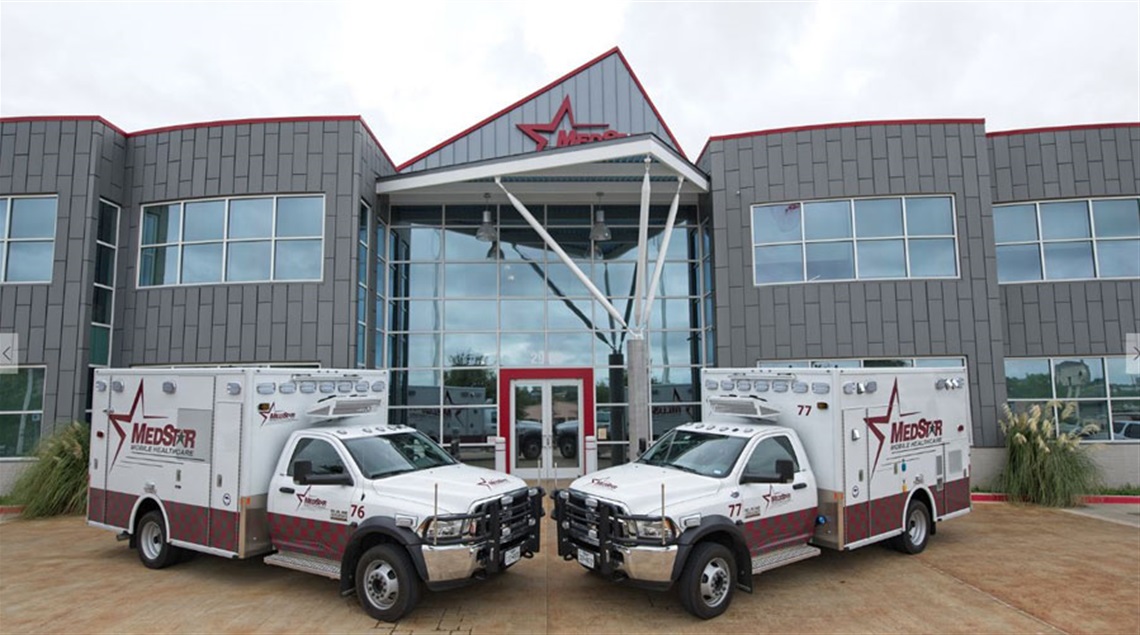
[
  {"x": 1044, "y": 466},
  {"x": 56, "y": 483}
]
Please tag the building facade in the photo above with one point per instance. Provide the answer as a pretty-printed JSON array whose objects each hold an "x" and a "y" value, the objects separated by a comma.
[{"x": 299, "y": 242}]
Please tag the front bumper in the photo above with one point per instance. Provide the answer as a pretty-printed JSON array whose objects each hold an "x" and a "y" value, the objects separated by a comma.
[{"x": 592, "y": 536}]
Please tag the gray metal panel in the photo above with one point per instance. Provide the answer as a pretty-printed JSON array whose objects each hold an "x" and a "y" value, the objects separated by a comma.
[
  {"x": 872, "y": 319},
  {"x": 603, "y": 92}
]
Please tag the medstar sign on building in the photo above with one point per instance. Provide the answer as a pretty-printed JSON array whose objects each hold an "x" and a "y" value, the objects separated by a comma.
[{"x": 297, "y": 241}]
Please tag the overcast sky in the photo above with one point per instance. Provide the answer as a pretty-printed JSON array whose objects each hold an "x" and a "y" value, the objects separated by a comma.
[{"x": 420, "y": 72}]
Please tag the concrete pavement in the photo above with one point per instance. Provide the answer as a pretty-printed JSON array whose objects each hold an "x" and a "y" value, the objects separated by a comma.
[{"x": 1001, "y": 569}]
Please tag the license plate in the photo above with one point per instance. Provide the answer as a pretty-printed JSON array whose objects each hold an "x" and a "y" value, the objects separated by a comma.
[
  {"x": 512, "y": 556},
  {"x": 586, "y": 559}
]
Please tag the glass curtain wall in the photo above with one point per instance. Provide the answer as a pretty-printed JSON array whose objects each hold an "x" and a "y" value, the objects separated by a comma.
[{"x": 460, "y": 309}]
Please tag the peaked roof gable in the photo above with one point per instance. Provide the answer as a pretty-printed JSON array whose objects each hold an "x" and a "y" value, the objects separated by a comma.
[{"x": 602, "y": 99}]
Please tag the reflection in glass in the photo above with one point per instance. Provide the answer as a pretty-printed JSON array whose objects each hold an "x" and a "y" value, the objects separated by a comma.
[
  {"x": 672, "y": 348},
  {"x": 522, "y": 349},
  {"x": 933, "y": 258},
  {"x": 520, "y": 279},
  {"x": 566, "y": 314},
  {"x": 298, "y": 260},
  {"x": 460, "y": 242},
  {"x": 1018, "y": 263},
  {"x": 881, "y": 259},
  {"x": 776, "y": 224},
  {"x": 569, "y": 349},
  {"x": 1067, "y": 219},
  {"x": 161, "y": 224},
  {"x": 158, "y": 265},
  {"x": 470, "y": 425},
  {"x": 522, "y": 315},
  {"x": 1121, "y": 383},
  {"x": 1126, "y": 420},
  {"x": 527, "y": 412},
  {"x": 251, "y": 218},
  {"x": 1078, "y": 378},
  {"x": 779, "y": 264},
  {"x": 470, "y": 280},
  {"x": 831, "y": 219},
  {"x": 567, "y": 425},
  {"x": 1117, "y": 218},
  {"x": 470, "y": 315},
  {"x": 469, "y": 349},
  {"x": 929, "y": 216},
  {"x": 1068, "y": 260},
  {"x": 204, "y": 221},
  {"x": 424, "y": 350},
  {"x": 202, "y": 263},
  {"x": 830, "y": 261},
  {"x": 30, "y": 261},
  {"x": 1087, "y": 413},
  {"x": 1015, "y": 223},
  {"x": 300, "y": 216},
  {"x": 1118, "y": 258},
  {"x": 877, "y": 218},
  {"x": 247, "y": 261},
  {"x": 472, "y": 384},
  {"x": 33, "y": 218}
]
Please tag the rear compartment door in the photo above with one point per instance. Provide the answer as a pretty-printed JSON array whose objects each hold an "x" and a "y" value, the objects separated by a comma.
[
  {"x": 224, "y": 491},
  {"x": 856, "y": 477},
  {"x": 97, "y": 469}
]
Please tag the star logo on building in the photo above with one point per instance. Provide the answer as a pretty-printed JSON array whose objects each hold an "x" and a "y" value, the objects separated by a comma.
[
  {"x": 873, "y": 423},
  {"x": 538, "y": 131},
  {"x": 128, "y": 419}
]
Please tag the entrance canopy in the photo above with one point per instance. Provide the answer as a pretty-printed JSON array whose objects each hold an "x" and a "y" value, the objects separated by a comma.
[{"x": 562, "y": 175}]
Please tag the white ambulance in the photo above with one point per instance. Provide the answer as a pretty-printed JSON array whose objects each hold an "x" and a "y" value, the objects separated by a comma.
[
  {"x": 784, "y": 462},
  {"x": 300, "y": 464}
]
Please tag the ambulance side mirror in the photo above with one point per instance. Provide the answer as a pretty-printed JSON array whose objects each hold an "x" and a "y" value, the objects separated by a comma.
[
  {"x": 303, "y": 475},
  {"x": 786, "y": 470}
]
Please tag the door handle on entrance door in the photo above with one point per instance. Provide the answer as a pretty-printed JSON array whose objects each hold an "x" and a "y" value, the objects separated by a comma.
[
  {"x": 286, "y": 490},
  {"x": 799, "y": 486}
]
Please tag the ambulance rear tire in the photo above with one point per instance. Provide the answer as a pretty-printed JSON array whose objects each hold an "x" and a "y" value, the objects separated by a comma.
[
  {"x": 916, "y": 528},
  {"x": 708, "y": 580},
  {"x": 386, "y": 583},
  {"x": 154, "y": 550}
]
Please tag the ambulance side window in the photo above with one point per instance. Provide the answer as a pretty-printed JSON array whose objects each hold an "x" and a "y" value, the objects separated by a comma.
[
  {"x": 767, "y": 452},
  {"x": 322, "y": 454}
]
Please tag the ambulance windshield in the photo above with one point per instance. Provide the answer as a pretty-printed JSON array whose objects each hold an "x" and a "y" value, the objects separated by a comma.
[
  {"x": 697, "y": 452},
  {"x": 389, "y": 454}
]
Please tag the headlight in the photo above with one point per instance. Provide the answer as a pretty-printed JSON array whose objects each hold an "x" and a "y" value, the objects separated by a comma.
[
  {"x": 651, "y": 529},
  {"x": 434, "y": 528}
]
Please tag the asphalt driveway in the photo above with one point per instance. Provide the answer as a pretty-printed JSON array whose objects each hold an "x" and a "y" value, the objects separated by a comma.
[{"x": 1001, "y": 569}]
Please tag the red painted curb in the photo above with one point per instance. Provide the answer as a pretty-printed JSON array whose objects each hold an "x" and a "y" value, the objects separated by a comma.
[
  {"x": 11, "y": 509},
  {"x": 1113, "y": 499}
]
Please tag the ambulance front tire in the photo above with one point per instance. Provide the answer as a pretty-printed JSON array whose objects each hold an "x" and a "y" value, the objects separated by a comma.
[
  {"x": 386, "y": 583},
  {"x": 916, "y": 528},
  {"x": 154, "y": 550},
  {"x": 708, "y": 580}
]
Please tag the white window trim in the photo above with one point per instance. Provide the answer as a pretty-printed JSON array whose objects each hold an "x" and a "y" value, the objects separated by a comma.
[
  {"x": 1107, "y": 398},
  {"x": 854, "y": 240},
  {"x": 6, "y": 241},
  {"x": 225, "y": 241}
]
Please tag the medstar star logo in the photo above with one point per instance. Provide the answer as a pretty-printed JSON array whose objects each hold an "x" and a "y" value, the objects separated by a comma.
[
  {"x": 572, "y": 137},
  {"x": 128, "y": 419},
  {"x": 885, "y": 420}
]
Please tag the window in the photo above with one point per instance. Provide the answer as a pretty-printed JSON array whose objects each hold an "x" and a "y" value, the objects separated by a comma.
[
  {"x": 854, "y": 239},
  {"x": 276, "y": 238},
  {"x": 1104, "y": 393},
  {"x": 763, "y": 460},
  {"x": 363, "y": 299},
  {"x": 27, "y": 238},
  {"x": 103, "y": 298},
  {"x": 324, "y": 457},
  {"x": 21, "y": 411},
  {"x": 1068, "y": 240}
]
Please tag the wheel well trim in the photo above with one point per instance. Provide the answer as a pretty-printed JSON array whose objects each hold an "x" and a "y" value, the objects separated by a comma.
[
  {"x": 386, "y": 528},
  {"x": 711, "y": 526},
  {"x": 136, "y": 516},
  {"x": 923, "y": 494}
]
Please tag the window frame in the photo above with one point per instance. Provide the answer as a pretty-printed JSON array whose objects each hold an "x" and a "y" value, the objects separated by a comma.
[
  {"x": 6, "y": 241},
  {"x": 225, "y": 240},
  {"x": 1107, "y": 399},
  {"x": 39, "y": 431},
  {"x": 854, "y": 239},
  {"x": 1040, "y": 241}
]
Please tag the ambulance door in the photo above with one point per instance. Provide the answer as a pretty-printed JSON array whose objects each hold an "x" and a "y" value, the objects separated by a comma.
[
  {"x": 97, "y": 490},
  {"x": 776, "y": 514},
  {"x": 224, "y": 491},
  {"x": 856, "y": 477},
  {"x": 313, "y": 518}
]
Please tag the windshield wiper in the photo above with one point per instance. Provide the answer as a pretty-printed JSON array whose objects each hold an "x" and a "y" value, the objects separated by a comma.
[
  {"x": 683, "y": 468},
  {"x": 403, "y": 470}
]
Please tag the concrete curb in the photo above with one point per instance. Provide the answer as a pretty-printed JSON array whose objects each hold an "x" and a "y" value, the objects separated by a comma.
[{"x": 985, "y": 497}]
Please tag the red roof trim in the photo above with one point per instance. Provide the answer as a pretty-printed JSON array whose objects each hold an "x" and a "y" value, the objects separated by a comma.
[
  {"x": 66, "y": 118},
  {"x": 208, "y": 124},
  {"x": 652, "y": 106},
  {"x": 536, "y": 93},
  {"x": 1083, "y": 126},
  {"x": 843, "y": 124}
]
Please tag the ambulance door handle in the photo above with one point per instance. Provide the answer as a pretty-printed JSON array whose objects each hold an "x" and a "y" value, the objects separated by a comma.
[
  {"x": 799, "y": 486},
  {"x": 286, "y": 490}
]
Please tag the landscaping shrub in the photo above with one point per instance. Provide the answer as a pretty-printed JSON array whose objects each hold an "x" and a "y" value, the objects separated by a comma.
[
  {"x": 56, "y": 483},
  {"x": 1042, "y": 466}
]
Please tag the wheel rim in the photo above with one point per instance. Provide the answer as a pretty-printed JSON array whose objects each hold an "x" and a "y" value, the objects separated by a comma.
[
  {"x": 714, "y": 582},
  {"x": 151, "y": 540},
  {"x": 382, "y": 585},
  {"x": 916, "y": 526}
]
